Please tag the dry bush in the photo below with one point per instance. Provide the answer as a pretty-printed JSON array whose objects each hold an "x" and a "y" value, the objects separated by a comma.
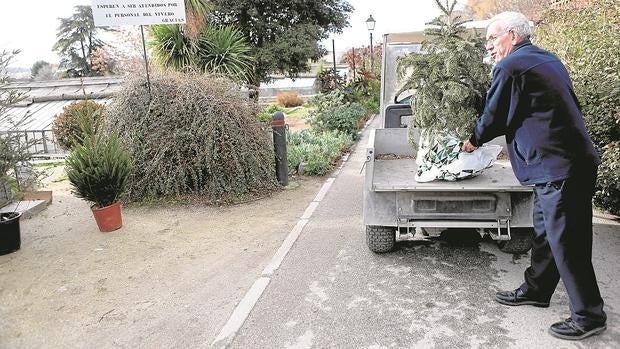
[
  {"x": 290, "y": 99},
  {"x": 197, "y": 134}
]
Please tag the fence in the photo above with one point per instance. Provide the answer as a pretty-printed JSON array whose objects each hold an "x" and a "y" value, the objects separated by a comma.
[{"x": 41, "y": 143}]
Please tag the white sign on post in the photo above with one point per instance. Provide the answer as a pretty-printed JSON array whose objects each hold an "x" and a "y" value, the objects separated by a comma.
[{"x": 108, "y": 13}]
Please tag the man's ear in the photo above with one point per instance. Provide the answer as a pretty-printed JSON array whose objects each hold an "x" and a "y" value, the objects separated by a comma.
[{"x": 515, "y": 38}]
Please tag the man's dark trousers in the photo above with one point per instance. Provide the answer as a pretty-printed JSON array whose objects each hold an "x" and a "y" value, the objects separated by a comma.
[{"x": 563, "y": 246}]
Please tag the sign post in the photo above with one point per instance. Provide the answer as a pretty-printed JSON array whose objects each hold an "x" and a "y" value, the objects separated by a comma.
[{"x": 110, "y": 13}]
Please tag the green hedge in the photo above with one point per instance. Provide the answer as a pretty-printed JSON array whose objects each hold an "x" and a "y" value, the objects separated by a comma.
[{"x": 586, "y": 40}]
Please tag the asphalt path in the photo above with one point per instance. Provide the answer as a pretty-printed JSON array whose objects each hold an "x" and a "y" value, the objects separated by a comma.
[{"x": 330, "y": 291}]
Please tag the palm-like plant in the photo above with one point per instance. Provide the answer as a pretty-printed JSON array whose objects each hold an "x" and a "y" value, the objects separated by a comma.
[
  {"x": 224, "y": 51},
  {"x": 171, "y": 48},
  {"x": 217, "y": 50}
]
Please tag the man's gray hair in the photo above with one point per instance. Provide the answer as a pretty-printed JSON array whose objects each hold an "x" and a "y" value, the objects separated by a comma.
[{"x": 515, "y": 21}]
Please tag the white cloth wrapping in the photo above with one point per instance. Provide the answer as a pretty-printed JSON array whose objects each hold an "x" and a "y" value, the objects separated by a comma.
[{"x": 441, "y": 158}]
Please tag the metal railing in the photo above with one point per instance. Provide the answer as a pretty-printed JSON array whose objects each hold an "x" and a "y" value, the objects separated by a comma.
[{"x": 41, "y": 143}]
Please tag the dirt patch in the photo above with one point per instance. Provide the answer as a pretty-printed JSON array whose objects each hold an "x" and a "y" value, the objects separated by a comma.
[
  {"x": 169, "y": 278},
  {"x": 297, "y": 124}
]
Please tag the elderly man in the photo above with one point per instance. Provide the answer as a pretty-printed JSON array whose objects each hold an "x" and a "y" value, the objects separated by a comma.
[{"x": 531, "y": 101}]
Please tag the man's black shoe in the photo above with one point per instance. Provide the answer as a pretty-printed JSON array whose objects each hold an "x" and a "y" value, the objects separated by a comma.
[
  {"x": 569, "y": 329},
  {"x": 517, "y": 297}
]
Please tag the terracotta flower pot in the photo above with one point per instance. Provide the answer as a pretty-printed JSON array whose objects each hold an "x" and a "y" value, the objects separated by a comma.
[{"x": 108, "y": 218}]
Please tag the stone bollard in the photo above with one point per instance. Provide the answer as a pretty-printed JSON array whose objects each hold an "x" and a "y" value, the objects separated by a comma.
[{"x": 279, "y": 144}]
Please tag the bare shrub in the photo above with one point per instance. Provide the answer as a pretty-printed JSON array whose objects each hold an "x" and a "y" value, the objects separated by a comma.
[
  {"x": 196, "y": 134},
  {"x": 290, "y": 99}
]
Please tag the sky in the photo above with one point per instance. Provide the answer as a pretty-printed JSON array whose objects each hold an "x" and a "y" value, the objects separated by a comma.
[{"x": 30, "y": 25}]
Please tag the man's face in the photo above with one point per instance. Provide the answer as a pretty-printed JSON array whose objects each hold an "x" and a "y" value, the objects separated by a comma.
[{"x": 499, "y": 41}]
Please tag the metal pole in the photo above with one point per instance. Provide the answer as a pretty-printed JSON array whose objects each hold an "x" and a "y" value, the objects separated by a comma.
[
  {"x": 371, "y": 51},
  {"x": 146, "y": 62},
  {"x": 279, "y": 144},
  {"x": 353, "y": 63},
  {"x": 334, "y": 58}
]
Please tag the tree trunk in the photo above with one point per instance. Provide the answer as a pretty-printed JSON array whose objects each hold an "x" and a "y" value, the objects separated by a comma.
[
  {"x": 84, "y": 58},
  {"x": 253, "y": 87}
]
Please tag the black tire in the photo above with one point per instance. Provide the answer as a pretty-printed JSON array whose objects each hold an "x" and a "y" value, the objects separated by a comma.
[
  {"x": 380, "y": 239},
  {"x": 521, "y": 241}
]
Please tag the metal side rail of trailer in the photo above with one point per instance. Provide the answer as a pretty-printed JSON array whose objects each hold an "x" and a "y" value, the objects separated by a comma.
[{"x": 396, "y": 206}]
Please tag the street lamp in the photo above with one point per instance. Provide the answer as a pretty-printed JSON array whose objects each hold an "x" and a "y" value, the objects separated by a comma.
[{"x": 370, "y": 24}]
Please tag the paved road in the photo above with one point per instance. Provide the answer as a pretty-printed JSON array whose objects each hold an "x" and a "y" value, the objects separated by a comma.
[{"x": 332, "y": 292}]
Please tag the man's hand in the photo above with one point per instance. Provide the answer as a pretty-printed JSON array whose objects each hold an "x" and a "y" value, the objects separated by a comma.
[{"x": 468, "y": 147}]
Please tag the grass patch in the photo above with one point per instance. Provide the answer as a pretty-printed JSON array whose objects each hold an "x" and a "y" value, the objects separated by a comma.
[{"x": 48, "y": 164}]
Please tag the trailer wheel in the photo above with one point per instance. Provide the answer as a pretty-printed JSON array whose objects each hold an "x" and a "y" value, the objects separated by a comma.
[
  {"x": 520, "y": 242},
  {"x": 380, "y": 239}
]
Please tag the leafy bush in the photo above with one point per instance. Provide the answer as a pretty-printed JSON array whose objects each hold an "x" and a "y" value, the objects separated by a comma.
[
  {"x": 322, "y": 105},
  {"x": 267, "y": 114},
  {"x": 66, "y": 125},
  {"x": 328, "y": 81},
  {"x": 347, "y": 118},
  {"x": 332, "y": 112},
  {"x": 318, "y": 151},
  {"x": 586, "y": 40},
  {"x": 290, "y": 99},
  {"x": 196, "y": 134},
  {"x": 98, "y": 168},
  {"x": 364, "y": 90},
  {"x": 15, "y": 151},
  {"x": 608, "y": 182}
]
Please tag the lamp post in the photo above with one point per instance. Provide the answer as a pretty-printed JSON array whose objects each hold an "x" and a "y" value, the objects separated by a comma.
[{"x": 370, "y": 24}]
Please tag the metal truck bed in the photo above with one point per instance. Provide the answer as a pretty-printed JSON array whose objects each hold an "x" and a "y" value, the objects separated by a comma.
[
  {"x": 392, "y": 197},
  {"x": 398, "y": 174}
]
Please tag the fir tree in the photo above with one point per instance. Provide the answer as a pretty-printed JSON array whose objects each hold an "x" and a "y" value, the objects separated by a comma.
[{"x": 448, "y": 78}]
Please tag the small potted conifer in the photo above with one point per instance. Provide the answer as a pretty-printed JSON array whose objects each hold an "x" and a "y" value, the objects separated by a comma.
[{"x": 98, "y": 168}]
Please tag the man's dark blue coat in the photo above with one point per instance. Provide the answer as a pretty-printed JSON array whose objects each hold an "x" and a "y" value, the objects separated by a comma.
[{"x": 532, "y": 102}]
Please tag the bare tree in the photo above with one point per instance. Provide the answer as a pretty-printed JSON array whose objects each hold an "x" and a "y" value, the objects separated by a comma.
[{"x": 532, "y": 9}]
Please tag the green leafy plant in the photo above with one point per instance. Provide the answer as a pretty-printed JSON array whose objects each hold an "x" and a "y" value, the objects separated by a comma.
[
  {"x": 608, "y": 181},
  {"x": 66, "y": 126},
  {"x": 346, "y": 119},
  {"x": 267, "y": 114},
  {"x": 195, "y": 134},
  {"x": 328, "y": 80},
  {"x": 332, "y": 112},
  {"x": 364, "y": 90},
  {"x": 319, "y": 151},
  {"x": 448, "y": 78}
]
